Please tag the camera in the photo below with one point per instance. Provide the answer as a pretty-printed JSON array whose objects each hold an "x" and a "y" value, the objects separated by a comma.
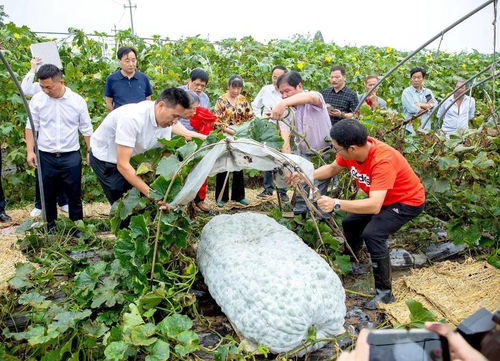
[{"x": 407, "y": 345}]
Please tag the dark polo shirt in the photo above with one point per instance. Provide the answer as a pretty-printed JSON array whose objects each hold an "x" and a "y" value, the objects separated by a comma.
[
  {"x": 125, "y": 91},
  {"x": 344, "y": 100}
]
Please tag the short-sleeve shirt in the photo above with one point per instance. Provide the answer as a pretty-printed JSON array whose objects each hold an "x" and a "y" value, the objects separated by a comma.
[
  {"x": 229, "y": 114},
  {"x": 138, "y": 129},
  {"x": 344, "y": 100},
  {"x": 126, "y": 90},
  {"x": 386, "y": 169},
  {"x": 312, "y": 121}
]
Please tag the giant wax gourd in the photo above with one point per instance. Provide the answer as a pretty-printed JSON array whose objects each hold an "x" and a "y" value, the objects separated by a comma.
[{"x": 268, "y": 282}]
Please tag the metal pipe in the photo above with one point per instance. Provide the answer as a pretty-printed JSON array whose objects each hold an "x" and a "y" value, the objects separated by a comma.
[
  {"x": 35, "y": 143},
  {"x": 441, "y": 33}
]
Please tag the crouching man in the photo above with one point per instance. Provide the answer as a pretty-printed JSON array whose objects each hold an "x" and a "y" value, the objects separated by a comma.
[{"x": 395, "y": 196}]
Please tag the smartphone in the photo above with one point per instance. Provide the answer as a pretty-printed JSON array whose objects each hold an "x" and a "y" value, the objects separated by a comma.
[
  {"x": 329, "y": 107},
  {"x": 407, "y": 345}
]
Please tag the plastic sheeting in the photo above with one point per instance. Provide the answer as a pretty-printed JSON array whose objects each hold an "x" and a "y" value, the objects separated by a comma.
[{"x": 231, "y": 155}]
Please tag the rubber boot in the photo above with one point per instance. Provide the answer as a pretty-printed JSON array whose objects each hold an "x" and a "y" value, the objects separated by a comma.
[{"x": 383, "y": 288}]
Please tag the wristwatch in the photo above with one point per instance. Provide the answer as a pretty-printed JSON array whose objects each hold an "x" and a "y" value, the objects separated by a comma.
[{"x": 336, "y": 207}]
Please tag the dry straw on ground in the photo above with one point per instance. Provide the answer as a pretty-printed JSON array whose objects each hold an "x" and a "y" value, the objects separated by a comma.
[
  {"x": 10, "y": 255},
  {"x": 453, "y": 290}
]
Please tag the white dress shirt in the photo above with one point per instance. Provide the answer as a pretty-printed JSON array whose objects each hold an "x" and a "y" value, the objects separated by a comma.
[
  {"x": 29, "y": 86},
  {"x": 138, "y": 129},
  {"x": 58, "y": 120},
  {"x": 265, "y": 100},
  {"x": 457, "y": 118}
]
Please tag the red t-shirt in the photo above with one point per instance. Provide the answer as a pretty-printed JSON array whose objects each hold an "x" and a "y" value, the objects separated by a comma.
[{"x": 386, "y": 169}]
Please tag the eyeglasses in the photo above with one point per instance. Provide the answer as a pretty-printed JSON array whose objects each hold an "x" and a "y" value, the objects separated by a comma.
[{"x": 335, "y": 150}]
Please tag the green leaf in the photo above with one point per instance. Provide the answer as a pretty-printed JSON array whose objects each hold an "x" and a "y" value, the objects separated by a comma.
[
  {"x": 343, "y": 263},
  {"x": 224, "y": 351},
  {"x": 95, "y": 329},
  {"x": 21, "y": 278},
  {"x": 141, "y": 335},
  {"x": 448, "y": 162},
  {"x": 159, "y": 187},
  {"x": 107, "y": 294},
  {"x": 187, "y": 338},
  {"x": 170, "y": 145},
  {"x": 441, "y": 185},
  {"x": 184, "y": 350},
  {"x": 132, "y": 318},
  {"x": 68, "y": 319},
  {"x": 419, "y": 314},
  {"x": 138, "y": 227},
  {"x": 34, "y": 299},
  {"x": 160, "y": 351},
  {"x": 168, "y": 166},
  {"x": 262, "y": 131},
  {"x": 144, "y": 168},
  {"x": 131, "y": 200},
  {"x": 175, "y": 324},
  {"x": 186, "y": 150},
  {"x": 116, "y": 351}
]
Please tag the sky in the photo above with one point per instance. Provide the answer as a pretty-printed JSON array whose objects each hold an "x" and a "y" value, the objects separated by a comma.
[{"x": 401, "y": 24}]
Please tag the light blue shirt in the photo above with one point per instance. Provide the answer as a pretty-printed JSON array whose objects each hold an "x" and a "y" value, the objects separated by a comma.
[
  {"x": 409, "y": 98},
  {"x": 457, "y": 118}
]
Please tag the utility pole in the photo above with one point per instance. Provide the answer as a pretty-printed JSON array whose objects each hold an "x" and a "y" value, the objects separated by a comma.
[{"x": 130, "y": 6}]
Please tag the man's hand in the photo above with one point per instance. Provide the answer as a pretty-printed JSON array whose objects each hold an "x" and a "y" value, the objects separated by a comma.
[
  {"x": 424, "y": 106},
  {"x": 293, "y": 179},
  {"x": 335, "y": 113},
  {"x": 31, "y": 158},
  {"x": 278, "y": 110},
  {"x": 459, "y": 348},
  {"x": 34, "y": 62},
  {"x": 360, "y": 352},
  {"x": 326, "y": 204},
  {"x": 164, "y": 206}
]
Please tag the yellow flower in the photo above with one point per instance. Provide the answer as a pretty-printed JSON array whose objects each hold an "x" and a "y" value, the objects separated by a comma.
[
  {"x": 388, "y": 49},
  {"x": 464, "y": 66},
  {"x": 186, "y": 50},
  {"x": 300, "y": 66},
  {"x": 328, "y": 58},
  {"x": 86, "y": 99},
  {"x": 475, "y": 61},
  {"x": 17, "y": 36},
  {"x": 389, "y": 100},
  {"x": 356, "y": 72},
  {"x": 354, "y": 58},
  {"x": 377, "y": 55}
]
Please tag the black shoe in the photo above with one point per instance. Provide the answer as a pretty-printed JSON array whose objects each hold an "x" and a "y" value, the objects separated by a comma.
[
  {"x": 284, "y": 198},
  {"x": 4, "y": 218},
  {"x": 265, "y": 194},
  {"x": 383, "y": 287}
]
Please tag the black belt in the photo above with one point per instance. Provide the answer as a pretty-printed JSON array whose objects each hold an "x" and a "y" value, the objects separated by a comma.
[{"x": 58, "y": 155}]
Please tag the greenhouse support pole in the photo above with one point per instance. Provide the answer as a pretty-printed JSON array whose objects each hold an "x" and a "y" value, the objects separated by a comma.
[
  {"x": 441, "y": 33},
  {"x": 35, "y": 143}
]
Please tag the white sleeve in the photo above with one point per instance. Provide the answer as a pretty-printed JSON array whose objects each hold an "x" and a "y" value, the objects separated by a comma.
[
  {"x": 472, "y": 108},
  {"x": 85, "y": 124},
  {"x": 35, "y": 114},
  {"x": 257, "y": 103},
  {"x": 28, "y": 85},
  {"x": 126, "y": 133}
]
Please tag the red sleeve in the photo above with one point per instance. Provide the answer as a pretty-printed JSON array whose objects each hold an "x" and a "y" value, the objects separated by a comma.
[
  {"x": 383, "y": 176},
  {"x": 341, "y": 161}
]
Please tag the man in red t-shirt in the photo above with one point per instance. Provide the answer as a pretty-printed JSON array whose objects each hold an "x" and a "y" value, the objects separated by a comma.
[{"x": 395, "y": 196}]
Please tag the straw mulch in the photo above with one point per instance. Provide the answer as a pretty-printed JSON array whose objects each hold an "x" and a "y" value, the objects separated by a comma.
[
  {"x": 10, "y": 255},
  {"x": 453, "y": 290}
]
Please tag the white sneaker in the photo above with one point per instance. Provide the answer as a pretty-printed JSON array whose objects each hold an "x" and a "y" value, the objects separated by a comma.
[
  {"x": 64, "y": 208},
  {"x": 35, "y": 212}
]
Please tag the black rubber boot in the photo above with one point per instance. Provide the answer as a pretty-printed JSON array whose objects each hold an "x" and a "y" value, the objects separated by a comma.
[{"x": 383, "y": 287}]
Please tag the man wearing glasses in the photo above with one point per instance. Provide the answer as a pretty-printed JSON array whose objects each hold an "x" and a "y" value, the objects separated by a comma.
[{"x": 395, "y": 196}]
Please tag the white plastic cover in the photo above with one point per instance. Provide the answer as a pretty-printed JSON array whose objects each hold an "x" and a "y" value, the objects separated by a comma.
[
  {"x": 233, "y": 155},
  {"x": 268, "y": 282}
]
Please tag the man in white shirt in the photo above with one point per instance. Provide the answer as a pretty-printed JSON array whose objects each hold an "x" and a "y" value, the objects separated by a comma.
[
  {"x": 58, "y": 114},
  {"x": 141, "y": 125},
  {"x": 30, "y": 87},
  {"x": 460, "y": 113},
  {"x": 262, "y": 105}
]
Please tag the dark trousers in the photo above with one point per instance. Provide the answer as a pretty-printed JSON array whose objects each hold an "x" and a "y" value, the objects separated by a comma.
[
  {"x": 237, "y": 187},
  {"x": 2, "y": 196},
  {"x": 374, "y": 229},
  {"x": 62, "y": 171},
  {"x": 269, "y": 183},
  {"x": 113, "y": 183},
  {"x": 62, "y": 198}
]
